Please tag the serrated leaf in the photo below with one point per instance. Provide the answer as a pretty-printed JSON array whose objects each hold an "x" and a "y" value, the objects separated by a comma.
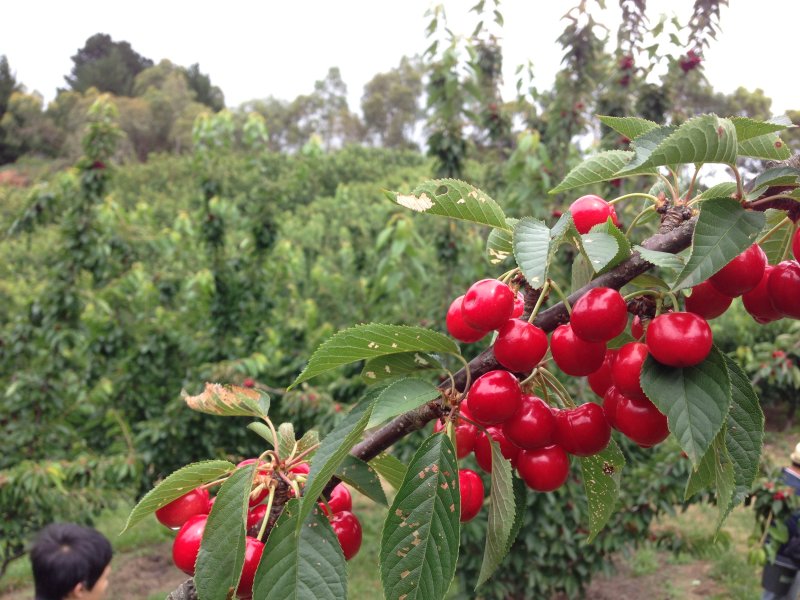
[
  {"x": 262, "y": 431},
  {"x": 747, "y": 128},
  {"x": 726, "y": 189},
  {"x": 502, "y": 513},
  {"x": 286, "y": 440},
  {"x": 664, "y": 260},
  {"x": 371, "y": 341},
  {"x": 396, "y": 365},
  {"x": 390, "y": 468},
  {"x": 630, "y": 127},
  {"x": 177, "y": 484},
  {"x": 420, "y": 538},
  {"x": 770, "y": 147},
  {"x": 309, "y": 566},
  {"x": 601, "y": 479},
  {"x": 499, "y": 244},
  {"x": 363, "y": 477},
  {"x": 532, "y": 249},
  {"x": 605, "y": 246},
  {"x": 623, "y": 244},
  {"x": 775, "y": 246},
  {"x": 703, "y": 476},
  {"x": 521, "y": 503},
  {"x": 599, "y": 167},
  {"x": 723, "y": 470},
  {"x": 401, "y": 396},
  {"x": 643, "y": 147},
  {"x": 723, "y": 231},
  {"x": 455, "y": 199},
  {"x": 777, "y": 176},
  {"x": 694, "y": 399},
  {"x": 229, "y": 401},
  {"x": 219, "y": 563},
  {"x": 561, "y": 233},
  {"x": 309, "y": 440},
  {"x": 648, "y": 280}
]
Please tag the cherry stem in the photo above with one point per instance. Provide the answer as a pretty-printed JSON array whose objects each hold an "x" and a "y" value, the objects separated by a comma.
[
  {"x": 561, "y": 295},
  {"x": 213, "y": 483},
  {"x": 467, "y": 373},
  {"x": 532, "y": 377},
  {"x": 677, "y": 188},
  {"x": 478, "y": 425},
  {"x": 637, "y": 218},
  {"x": 674, "y": 299},
  {"x": 638, "y": 293},
  {"x": 635, "y": 195},
  {"x": 274, "y": 435},
  {"x": 691, "y": 183},
  {"x": 506, "y": 277},
  {"x": 543, "y": 387},
  {"x": 539, "y": 301},
  {"x": 301, "y": 456},
  {"x": 659, "y": 304},
  {"x": 558, "y": 387},
  {"x": 452, "y": 382},
  {"x": 772, "y": 231},
  {"x": 291, "y": 483},
  {"x": 672, "y": 190},
  {"x": 267, "y": 514}
]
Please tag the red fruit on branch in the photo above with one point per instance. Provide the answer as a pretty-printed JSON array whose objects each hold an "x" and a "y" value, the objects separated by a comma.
[
  {"x": 487, "y": 305},
  {"x": 177, "y": 512},
  {"x": 583, "y": 430},
  {"x": 545, "y": 469},
  {"x": 637, "y": 328},
  {"x": 249, "y": 383},
  {"x": 784, "y": 288},
  {"x": 255, "y": 515},
  {"x": 186, "y": 545},
  {"x": 599, "y": 315},
  {"x": 520, "y": 346},
  {"x": 601, "y": 379},
  {"x": 483, "y": 449},
  {"x": 758, "y": 301},
  {"x": 494, "y": 397},
  {"x": 742, "y": 274},
  {"x": 707, "y": 301},
  {"x": 627, "y": 370},
  {"x": 472, "y": 493},
  {"x": 347, "y": 528},
  {"x": 519, "y": 305},
  {"x": 641, "y": 421},
  {"x": 590, "y": 210},
  {"x": 532, "y": 426},
  {"x": 465, "y": 434},
  {"x": 610, "y": 402},
  {"x": 573, "y": 355},
  {"x": 340, "y": 500},
  {"x": 253, "y": 549},
  {"x": 679, "y": 339},
  {"x": 456, "y": 326}
]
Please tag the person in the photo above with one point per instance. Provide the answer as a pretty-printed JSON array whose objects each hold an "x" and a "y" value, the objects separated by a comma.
[{"x": 70, "y": 562}]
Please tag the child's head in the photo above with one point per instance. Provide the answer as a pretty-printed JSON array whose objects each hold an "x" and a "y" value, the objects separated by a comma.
[{"x": 70, "y": 561}]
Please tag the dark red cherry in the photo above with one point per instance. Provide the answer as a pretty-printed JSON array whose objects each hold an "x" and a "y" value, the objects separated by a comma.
[
  {"x": 456, "y": 326},
  {"x": 758, "y": 301},
  {"x": 253, "y": 549},
  {"x": 465, "y": 433},
  {"x": 177, "y": 512},
  {"x": 601, "y": 379},
  {"x": 483, "y": 449},
  {"x": 573, "y": 355},
  {"x": 641, "y": 421},
  {"x": 784, "y": 288},
  {"x": 599, "y": 315},
  {"x": 471, "y": 488},
  {"x": 627, "y": 370},
  {"x": 347, "y": 528},
  {"x": 532, "y": 426},
  {"x": 707, "y": 301},
  {"x": 583, "y": 430},
  {"x": 520, "y": 346},
  {"x": 255, "y": 515},
  {"x": 610, "y": 401},
  {"x": 186, "y": 545},
  {"x": 340, "y": 500},
  {"x": 588, "y": 211},
  {"x": 487, "y": 305},
  {"x": 545, "y": 469},
  {"x": 637, "y": 328},
  {"x": 679, "y": 339},
  {"x": 742, "y": 274},
  {"x": 519, "y": 305},
  {"x": 494, "y": 397}
]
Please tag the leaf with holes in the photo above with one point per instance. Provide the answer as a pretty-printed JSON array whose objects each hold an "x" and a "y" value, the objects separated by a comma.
[
  {"x": 532, "y": 250},
  {"x": 630, "y": 127},
  {"x": 600, "y": 167},
  {"x": 499, "y": 243},
  {"x": 502, "y": 514},
  {"x": 401, "y": 396},
  {"x": 664, "y": 260},
  {"x": 392, "y": 366},
  {"x": 229, "y": 401},
  {"x": 601, "y": 479},
  {"x": 776, "y": 245},
  {"x": 363, "y": 477}
]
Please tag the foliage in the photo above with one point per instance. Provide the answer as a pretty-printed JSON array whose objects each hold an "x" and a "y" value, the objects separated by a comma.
[{"x": 106, "y": 65}]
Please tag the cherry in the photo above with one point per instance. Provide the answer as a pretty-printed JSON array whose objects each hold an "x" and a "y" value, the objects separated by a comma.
[
  {"x": 532, "y": 426},
  {"x": 253, "y": 549},
  {"x": 519, "y": 305},
  {"x": 784, "y": 288},
  {"x": 258, "y": 498},
  {"x": 348, "y": 529},
  {"x": 340, "y": 500},
  {"x": 796, "y": 245},
  {"x": 487, "y": 305},
  {"x": 627, "y": 370},
  {"x": 520, "y": 346},
  {"x": 601, "y": 379},
  {"x": 758, "y": 301},
  {"x": 573, "y": 355},
  {"x": 456, "y": 326},
  {"x": 679, "y": 339},
  {"x": 177, "y": 512},
  {"x": 465, "y": 434},
  {"x": 483, "y": 449},
  {"x": 641, "y": 421},
  {"x": 610, "y": 402},
  {"x": 186, "y": 545},
  {"x": 494, "y": 397},
  {"x": 742, "y": 274},
  {"x": 637, "y": 328},
  {"x": 545, "y": 469},
  {"x": 588, "y": 211},
  {"x": 583, "y": 430},
  {"x": 599, "y": 315},
  {"x": 707, "y": 301},
  {"x": 300, "y": 469},
  {"x": 255, "y": 515},
  {"x": 471, "y": 488}
]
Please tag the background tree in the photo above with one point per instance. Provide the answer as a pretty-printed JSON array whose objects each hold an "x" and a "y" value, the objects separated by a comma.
[
  {"x": 390, "y": 105},
  {"x": 204, "y": 91},
  {"x": 106, "y": 65}
]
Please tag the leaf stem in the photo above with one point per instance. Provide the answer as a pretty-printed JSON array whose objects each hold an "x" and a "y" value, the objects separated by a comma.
[
  {"x": 561, "y": 295},
  {"x": 274, "y": 435},
  {"x": 211, "y": 484},
  {"x": 635, "y": 195},
  {"x": 638, "y": 293},
  {"x": 540, "y": 300},
  {"x": 772, "y": 231},
  {"x": 637, "y": 218},
  {"x": 669, "y": 185},
  {"x": 739, "y": 184},
  {"x": 692, "y": 182},
  {"x": 558, "y": 387},
  {"x": 301, "y": 456}
]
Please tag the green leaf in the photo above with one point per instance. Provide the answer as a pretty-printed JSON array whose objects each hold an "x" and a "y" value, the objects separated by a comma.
[
  {"x": 310, "y": 439},
  {"x": 605, "y": 246},
  {"x": 770, "y": 147},
  {"x": 286, "y": 440},
  {"x": 396, "y": 365},
  {"x": 401, "y": 396},
  {"x": 600, "y": 167},
  {"x": 775, "y": 246},
  {"x": 648, "y": 280},
  {"x": 455, "y": 199},
  {"x": 177, "y": 484},
  {"x": 532, "y": 249},
  {"x": 723, "y": 231},
  {"x": 643, "y": 147},
  {"x": 499, "y": 244},
  {"x": 521, "y": 503},
  {"x": 229, "y": 401},
  {"x": 664, "y": 260},
  {"x": 777, "y": 176},
  {"x": 261, "y": 430},
  {"x": 371, "y": 341},
  {"x": 219, "y": 563},
  {"x": 630, "y": 127},
  {"x": 623, "y": 244},
  {"x": 420, "y": 539},
  {"x": 723, "y": 470},
  {"x": 362, "y": 477},
  {"x": 502, "y": 513},
  {"x": 309, "y": 566},
  {"x": 704, "y": 476},
  {"x": 726, "y": 189},
  {"x": 601, "y": 478},
  {"x": 561, "y": 233},
  {"x": 390, "y": 468},
  {"x": 582, "y": 273},
  {"x": 747, "y": 128},
  {"x": 694, "y": 399}
]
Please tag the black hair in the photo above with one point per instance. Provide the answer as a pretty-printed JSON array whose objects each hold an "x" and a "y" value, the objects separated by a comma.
[{"x": 64, "y": 555}]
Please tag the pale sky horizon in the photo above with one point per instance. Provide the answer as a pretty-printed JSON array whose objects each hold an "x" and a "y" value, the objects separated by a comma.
[{"x": 253, "y": 50}]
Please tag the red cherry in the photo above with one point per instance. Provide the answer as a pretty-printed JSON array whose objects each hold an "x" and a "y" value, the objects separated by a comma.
[
  {"x": 610, "y": 401},
  {"x": 583, "y": 430},
  {"x": 588, "y": 211},
  {"x": 340, "y": 500},
  {"x": 627, "y": 370},
  {"x": 456, "y": 326},
  {"x": 679, "y": 339},
  {"x": 742, "y": 274},
  {"x": 599, "y": 315},
  {"x": 601, "y": 379},
  {"x": 300, "y": 469},
  {"x": 483, "y": 449},
  {"x": 465, "y": 433},
  {"x": 255, "y": 515},
  {"x": 573, "y": 355},
  {"x": 186, "y": 545},
  {"x": 784, "y": 288},
  {"x": 637, "y": 327},
  {"x": 348, "y": 529},
  {"x": 796, "y": 245},
  {"x": 249, "y": 383},
  {"x": 543, "y": 470},
  {"x": 520, "y": 346},
  {"x": 177, "y": 512},
  {"x": 487, "y": 305},
  {"x": 471, "y": 488},
  {"x": 519, "y": 305},
  {"x": 758, "y": 301},
  {"x": 532, "y": 426},
  {"x": 707, "y": 301},
  {"x": 494, "y": 397},
  {"x": 641, "y": 421},
  {"x": 253, "y": 549}
]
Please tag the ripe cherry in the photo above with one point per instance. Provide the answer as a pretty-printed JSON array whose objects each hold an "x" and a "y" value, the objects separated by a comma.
[
  {"x": 588, "y": 211},
  {"x": 253, "y": 549},
  {"x": 601, "y": 379},
  {"x": 494, "y": 397},
  {"x": 707, "y": 301},
  {"x": 742, "y": 274},
  {"x": 641, "y": 421},
  {"x": 784, "y": 288},
  {"x": 520, "y": 346},
  {"x": 340, "y": 500},
  {"x": 758, "y": 301},
  {"x": 177, "y": 512},
  {"x": 483, "y": 449},
  {"x": 573, "y": 355},
  {"x": 627, "y": 370},
  {"x": 348, "y": 529},
  {"x": 679, "y": 339},
  {"x": 186, "y": 545},
  {"x": 637, "y": 328},
  {"x": 532, "y": 426},
  {"x": 255, "y": 515},
  {"x": 487, "y": 305},
  {"x": 545, "y": 469},
  {"x": 583, "y": 430},
  {"x": 465, "y": 433},
  {"x": 471, "y": 488},
  {"x": 457, "y": 327},
  {"x": 610, "y": 402},
  {"x": 519, "y": 305},
  {"x": 599, "y": 315}
]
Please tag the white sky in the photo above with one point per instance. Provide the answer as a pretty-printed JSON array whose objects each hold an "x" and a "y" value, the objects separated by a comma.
[{"x": 256, "y": 49}]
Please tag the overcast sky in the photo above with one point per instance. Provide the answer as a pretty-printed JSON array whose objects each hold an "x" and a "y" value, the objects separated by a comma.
[{"x": 257, "y": 49}]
